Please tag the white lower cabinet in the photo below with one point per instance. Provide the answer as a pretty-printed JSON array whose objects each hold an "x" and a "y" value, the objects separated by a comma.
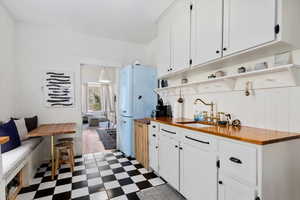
[
  {"x": 153, "y": 146},
  {"x": 230, "y": 189},
  {"x": 209, "y": 167},
  {"x": 169, "y": 160},
  {"x": 198, "y": 173}
]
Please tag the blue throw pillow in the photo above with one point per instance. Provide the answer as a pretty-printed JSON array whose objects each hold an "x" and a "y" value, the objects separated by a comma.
[{"x": 10, "y": 129}]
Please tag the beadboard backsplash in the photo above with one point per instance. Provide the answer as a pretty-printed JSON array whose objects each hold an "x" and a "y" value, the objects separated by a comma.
[{"x": 274, "y": 108}]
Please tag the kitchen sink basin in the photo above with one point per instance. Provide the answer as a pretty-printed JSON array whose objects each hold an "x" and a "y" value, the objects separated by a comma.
[
  {"x": 195, "y": 124},
  {"x": 198, "y": 125}
]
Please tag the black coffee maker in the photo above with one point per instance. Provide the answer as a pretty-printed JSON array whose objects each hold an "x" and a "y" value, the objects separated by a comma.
[{"x": 163, "y": 110}]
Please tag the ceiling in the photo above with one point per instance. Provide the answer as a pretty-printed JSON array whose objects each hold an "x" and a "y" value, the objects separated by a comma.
[{"x": 126, "y": 20}]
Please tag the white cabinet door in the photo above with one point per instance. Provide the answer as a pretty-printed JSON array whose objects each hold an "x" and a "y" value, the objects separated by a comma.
[
  {"x": 164, "y": 51},
  {"x": 169, "y": 160},
  {"x": 198, "y": 176},
  {"x": 180, "y": 35},
  {"x": 206, "y": 41},
  {"x": 247, "y": 24},
  {"x": 153, "y": 147},
  {"x": 230, "y": 189}
]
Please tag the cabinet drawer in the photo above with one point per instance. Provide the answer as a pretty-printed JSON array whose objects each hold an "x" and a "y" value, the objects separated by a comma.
[
  {"x": 170, "y": 131},
  {"x": 199, "y": 140},
  {"x": 238, "y": 161},
  {"x": 154, "y": 127}
]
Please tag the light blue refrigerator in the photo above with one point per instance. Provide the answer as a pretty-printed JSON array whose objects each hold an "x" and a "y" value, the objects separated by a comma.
[{"x": 137, "y": 100}]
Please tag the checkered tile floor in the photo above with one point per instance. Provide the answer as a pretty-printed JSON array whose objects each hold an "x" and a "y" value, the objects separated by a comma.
[{"x": 96, "y": 177}]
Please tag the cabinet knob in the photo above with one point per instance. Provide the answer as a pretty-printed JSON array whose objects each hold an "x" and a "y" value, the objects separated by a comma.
[
  {"x": 180, "y": 148},
  {"x": 257, "y": 198},
  {"x": 156, "y": 147},
  {"x": 153, "y": 135},
  {"x": 153, "y": 126},
  {"x": 176, "y": 146},
  {"x": 217, "y": 51},
  {"x": 220, "y": 182},
  {"x": 224, "y": 49}
]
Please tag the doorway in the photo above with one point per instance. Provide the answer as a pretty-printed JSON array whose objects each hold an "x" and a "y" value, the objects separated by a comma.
[{"x": 99, "y": 94}]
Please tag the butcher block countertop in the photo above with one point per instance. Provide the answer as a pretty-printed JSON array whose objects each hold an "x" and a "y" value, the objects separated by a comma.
[
  {"x": 246, "y": 134},
  {"x": 143, "y": 121}
]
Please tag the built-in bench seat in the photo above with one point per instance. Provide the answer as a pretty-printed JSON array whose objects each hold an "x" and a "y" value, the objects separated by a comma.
[
  {"x": 25, "y": 159},
  {"x": 18, "y": 157}
]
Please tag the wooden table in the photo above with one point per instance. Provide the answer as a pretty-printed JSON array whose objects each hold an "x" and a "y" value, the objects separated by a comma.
[{"x": 52, "y": 130}]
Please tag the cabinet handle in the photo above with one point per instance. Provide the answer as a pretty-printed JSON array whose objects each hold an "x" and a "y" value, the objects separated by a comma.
[
  {"x": 180, "y": 148},
  {"x": 224, "y": 49},
  {"x": 203, "y": 142},
  {"x": 168, "y": 131},
  {"x": 221, "y": 182},
  {"x": 235, "y": 160},
  {"x": 153, "y": 135}
]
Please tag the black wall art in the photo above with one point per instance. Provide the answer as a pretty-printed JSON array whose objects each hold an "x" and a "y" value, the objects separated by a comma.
[{"x": 59, "y": 89}]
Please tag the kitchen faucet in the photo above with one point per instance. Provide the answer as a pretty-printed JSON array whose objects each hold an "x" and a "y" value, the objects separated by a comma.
[{"x": 211, "y": 117}]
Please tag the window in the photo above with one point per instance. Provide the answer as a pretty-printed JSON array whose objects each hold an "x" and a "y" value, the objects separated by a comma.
[{"x": 93, "y": 99}]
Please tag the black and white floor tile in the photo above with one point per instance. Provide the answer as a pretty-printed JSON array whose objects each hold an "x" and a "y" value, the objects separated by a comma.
[{"x": 98, "y": 176}]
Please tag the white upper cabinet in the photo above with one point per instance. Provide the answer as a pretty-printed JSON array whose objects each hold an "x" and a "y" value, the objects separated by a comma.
[
  {"x": 230, "y": 31},
  {"x": 180, "y": 35},
  {"x": 164, "y": 51},
  {"x": 173, "y": 52},
  {"x": 247, "y": 24},
  {"x": 206, "y": 35}
]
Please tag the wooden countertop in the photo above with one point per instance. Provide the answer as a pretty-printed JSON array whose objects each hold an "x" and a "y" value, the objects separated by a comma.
[
  {"x": 143, "y": 121},
  {"x": 4, "y": 140},
  {"x": 246, "y": 134},
  {"x": 53, "y": 129}
]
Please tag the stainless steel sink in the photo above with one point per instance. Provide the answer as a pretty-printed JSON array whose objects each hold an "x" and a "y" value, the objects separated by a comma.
[
  {"x": 195, "y": 124},
  {"x": 198, "y": 125}
]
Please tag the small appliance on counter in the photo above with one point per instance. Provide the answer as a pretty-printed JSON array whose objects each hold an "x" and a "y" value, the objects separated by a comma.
[{"x": 163, "y": 110}]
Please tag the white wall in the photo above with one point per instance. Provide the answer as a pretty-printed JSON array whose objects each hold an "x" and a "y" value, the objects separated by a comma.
[
  {"x": 41, "y": 48},
  {"x": 7, "y": 64},
  {"x": 276, "y": 108}
]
